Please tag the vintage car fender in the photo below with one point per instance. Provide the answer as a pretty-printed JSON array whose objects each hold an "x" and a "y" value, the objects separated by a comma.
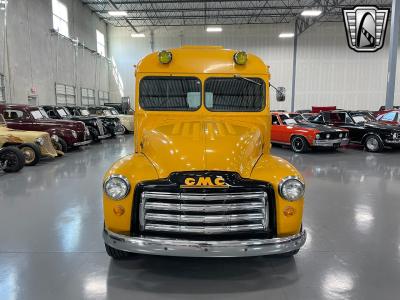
[
  {"x": 288, "y": 213},
  {"x": 127, "y": 122},
  {"x": 64, "y": 133},
  {"x": 136, "y": 168}
]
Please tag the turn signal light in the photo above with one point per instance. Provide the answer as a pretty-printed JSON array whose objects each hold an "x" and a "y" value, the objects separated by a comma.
[
  {"x": 165, "y": 57},
  {"x": 240, "y": 57},
  {"x": 289, "y": 211},
  {"x": 119, "y": 210}
]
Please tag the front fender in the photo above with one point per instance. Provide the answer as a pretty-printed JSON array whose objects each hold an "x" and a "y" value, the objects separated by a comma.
[
  {"x": 136, "y": 168},
  {"x": 273, "y": 169}
]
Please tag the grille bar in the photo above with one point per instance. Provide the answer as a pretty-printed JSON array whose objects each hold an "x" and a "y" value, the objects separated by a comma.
[
  {"x": 204, "y": 229},
  {"x": 204, "y": 219},
  {"x": 207, "y": 197}
]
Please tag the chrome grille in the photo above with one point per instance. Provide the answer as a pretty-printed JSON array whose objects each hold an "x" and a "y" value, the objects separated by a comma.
[
  {"x": 100, "y": 125},
  {"x": 47, "y": 147},
  {"x": 214, "y": 213}
]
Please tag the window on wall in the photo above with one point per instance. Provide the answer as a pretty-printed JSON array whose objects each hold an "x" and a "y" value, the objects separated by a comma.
[
  {"x": 101, "y": 43},
  {"x": 2, "y": 88},
  {"x": 104, "y": 97},
  {"x": 88, "y": 97},
  {"x": 60, "y": 17},
  {"x": 65, "y": 94}
]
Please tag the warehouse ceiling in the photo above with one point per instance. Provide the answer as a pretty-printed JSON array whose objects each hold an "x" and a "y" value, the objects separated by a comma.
[{"x": 155, "y": 13}]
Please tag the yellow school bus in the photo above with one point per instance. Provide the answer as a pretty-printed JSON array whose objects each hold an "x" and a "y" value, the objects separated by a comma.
[{"x": 202, "y": 181}]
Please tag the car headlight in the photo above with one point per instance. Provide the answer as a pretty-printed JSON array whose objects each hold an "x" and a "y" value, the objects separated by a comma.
[
  {"x": 340, "y": 135},
  {"x": 116, "y": 187},
  {"x": 74, "y": 134},
  {"x": 328, "y": 136},
  {"x": 395, "y": 135},
  {"x": 317, "y": 136},
  {"x": 39, "y": 141},
  {"x": 54, "y": 137},
  {"x": 291, "y": 188}
]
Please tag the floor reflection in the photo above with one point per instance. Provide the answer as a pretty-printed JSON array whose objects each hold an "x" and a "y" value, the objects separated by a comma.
[{"x": 160, "y": 275}]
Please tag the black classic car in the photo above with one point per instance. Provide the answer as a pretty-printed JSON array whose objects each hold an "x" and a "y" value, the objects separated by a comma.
[
  {"x": 363, "y": 128},
  {"x": 95, "y": 125},
  {"x": 112, "y": 124}
]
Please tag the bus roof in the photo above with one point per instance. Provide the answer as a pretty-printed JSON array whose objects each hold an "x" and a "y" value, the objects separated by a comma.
[{"x": 202, "y": 59}]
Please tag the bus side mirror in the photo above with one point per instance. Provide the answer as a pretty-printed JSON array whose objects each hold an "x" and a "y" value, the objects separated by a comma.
[{"x": 280, "y": 94}]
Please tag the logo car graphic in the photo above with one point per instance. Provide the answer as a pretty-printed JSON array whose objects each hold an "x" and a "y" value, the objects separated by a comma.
[
  {"x": 205, "y": 182},
  {"x": 365, "y": 27}
]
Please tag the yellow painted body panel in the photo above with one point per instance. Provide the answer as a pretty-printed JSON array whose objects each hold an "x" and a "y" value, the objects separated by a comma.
[{"x": 199, "y": 140}]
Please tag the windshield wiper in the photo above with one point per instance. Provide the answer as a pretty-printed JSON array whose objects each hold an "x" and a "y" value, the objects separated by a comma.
[{"x": 247, "y": 79}]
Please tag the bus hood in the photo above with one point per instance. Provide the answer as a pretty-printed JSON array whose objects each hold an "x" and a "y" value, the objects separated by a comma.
[{"x": 203, "y": 145}]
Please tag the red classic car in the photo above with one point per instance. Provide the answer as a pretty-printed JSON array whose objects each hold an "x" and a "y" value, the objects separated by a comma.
[
  {"x": 294, "y": 130},
  {"x": 382, "y": 110},
  {"x": 24, "y": 117}
]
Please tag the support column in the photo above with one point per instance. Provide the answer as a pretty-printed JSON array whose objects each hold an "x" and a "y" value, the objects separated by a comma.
[
  {"x": 294, "y": 68},
  {"x": 394, "y": 40},
  {"x": 152, "y": 40}
]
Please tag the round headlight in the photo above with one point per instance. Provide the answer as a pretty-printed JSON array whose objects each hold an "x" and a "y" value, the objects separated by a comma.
[
  {"x": 39, "y": 141},
  {"x": 395, "y": 135},
  {"x": 340, "y": 135},
  {"x": 328, "y": 136},
  {"x": 116, "y": 187},
  {"x": 54, "y": 137},
  {"x": 240, "y": 57},
  {"x": 165, "y": 57},
  {"x": 317, "y": 136},
  {"x": 74, "y": 134},
  {"x": 291, "y": 188}
]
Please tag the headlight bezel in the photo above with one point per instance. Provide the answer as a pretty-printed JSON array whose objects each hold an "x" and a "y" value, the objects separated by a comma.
[
  {"x": 285, "y": 181},
  {"x": 74, "y": 134},
  {"x": 39, "y": 141},
  {"x": 55, "y": 138},
  {"x": 118, "y": 177}
]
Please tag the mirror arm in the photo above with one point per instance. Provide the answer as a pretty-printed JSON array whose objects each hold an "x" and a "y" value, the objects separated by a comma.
[{"x": 278, "y": 91}]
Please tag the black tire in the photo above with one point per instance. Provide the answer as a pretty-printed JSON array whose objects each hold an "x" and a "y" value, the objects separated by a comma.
[
  {"x": 94, "y": 133},
  {"x": 31, "y": 153},
  {"x": 290, "y": 254},
  {"x": 117, "y": 254},
  {"x": 373, "y": 143},
  {"x": 64, "y": 145},
  {"x": 14, "y": 157},
  {"x": 299, "y": 144}
]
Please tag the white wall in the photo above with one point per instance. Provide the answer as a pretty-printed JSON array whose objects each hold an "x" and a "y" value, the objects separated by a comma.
[
  {"x": 39, "y": 59},
  {"x": 328, "y": 72}
]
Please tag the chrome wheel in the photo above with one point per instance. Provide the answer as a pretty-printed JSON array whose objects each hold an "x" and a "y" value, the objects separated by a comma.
[
  {"x": 29, "y": 154},
  {"x": 372, "y": 144}
]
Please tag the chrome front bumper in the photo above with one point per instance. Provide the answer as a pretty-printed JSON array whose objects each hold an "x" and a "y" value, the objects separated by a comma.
[
  {"x": 87, "y": 142},
  {"x": 191, "y": 248},
  {"x": 102, "y": 137},
  {"x": 330, "y": 143}
]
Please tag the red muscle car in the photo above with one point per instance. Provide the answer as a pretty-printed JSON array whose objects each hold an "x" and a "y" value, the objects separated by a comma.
[
  {"x": 24, "y": 117},
  {"x": 294, "y": 130}
]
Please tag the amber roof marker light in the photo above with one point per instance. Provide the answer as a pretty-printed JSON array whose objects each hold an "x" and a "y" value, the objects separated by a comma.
[
  {"x": 240, "y": 57},
  {"x": 165, "y": 57}
]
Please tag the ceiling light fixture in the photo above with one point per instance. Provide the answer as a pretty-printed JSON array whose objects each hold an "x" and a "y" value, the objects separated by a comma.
[
  {"x": 214, "y": 29},
  {"x": 285, "y": 35},
  {"x": 117, "y": 13},
  {"x": 311, "y": 13}
]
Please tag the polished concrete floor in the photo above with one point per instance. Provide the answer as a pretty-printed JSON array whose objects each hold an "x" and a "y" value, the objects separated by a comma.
[{"x": 51, "y": 245}]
